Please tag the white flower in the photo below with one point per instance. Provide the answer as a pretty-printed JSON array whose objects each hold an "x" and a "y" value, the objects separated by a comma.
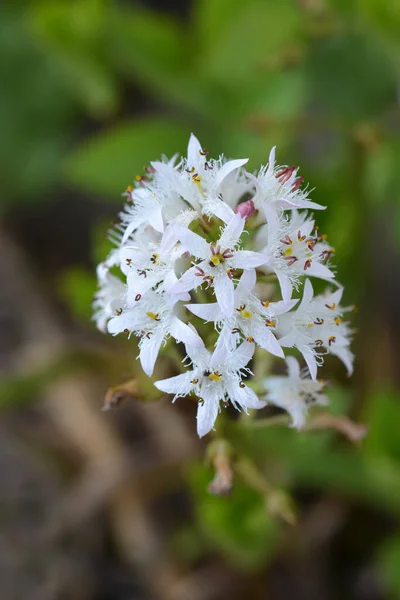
[
  {"x": 316, "y": 328},
  {"x": 292, "y": 250},
  {"x": 151, "y": 203},
  {"x": 149, "y": 262},
  {"x": 217, "y": 262},
  {"x": 211, "y": 187},
  {"x": 110, "y": 294},
  {"x": 214, "y": 378},
  {"x": 279, "y": 188},
  {"x": 295, "y": 393},
  {"x": 252, "y": 318},
  {"x": 152, "y": 319}
]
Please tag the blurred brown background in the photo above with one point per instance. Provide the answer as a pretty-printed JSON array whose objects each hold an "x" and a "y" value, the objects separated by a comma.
[{"x": 114, "y": 506}]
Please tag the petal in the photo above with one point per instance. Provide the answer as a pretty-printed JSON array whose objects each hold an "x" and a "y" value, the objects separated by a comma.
[
  {"x": 169, "y": 238},
  {"x": 220, "y": 209},
  {"x": 266, "y": 339},
  {"x": 179, "y": 385},
  {"x": 196, "y": 245},
  {"x": 182, "y": 333},
  {"x": 207, "y": 413},
  {"x": 318, "y": 270},
  {"x": 199, "y": 355},
  {"x": 309, "y": 357},
  {"x": 345, "y": 355},
  {"x": 187, "y": 282},
  {"x": 193, "y": 151},
  {"x": 246, "y": 284},
  {"x": 149, "y": 349},
  {"x": 208, "y": 312},
  {"x": 271, "y": 159},
  {"x": 308, "y": 293},
  {"x": 244, "y": 396},
  {"x": 281, "y": 307},
  {"x": 286, "y": 286},
  {"x": 227, "y": 168},
  {"x": 293, "y": 367},
  {"x": 232, "y": 232},
  {"x": 129, "y": 319},
  {"x": 246, "y": 259},
  {"x": 240, "y": 357},
  {"x": 224, "y": 292}
]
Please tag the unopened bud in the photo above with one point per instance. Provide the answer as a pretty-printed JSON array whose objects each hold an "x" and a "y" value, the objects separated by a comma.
[{"x": 246, "y": 209}]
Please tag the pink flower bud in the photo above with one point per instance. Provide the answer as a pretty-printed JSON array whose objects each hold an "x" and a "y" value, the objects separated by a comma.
[{"x": 246, "y": 209}]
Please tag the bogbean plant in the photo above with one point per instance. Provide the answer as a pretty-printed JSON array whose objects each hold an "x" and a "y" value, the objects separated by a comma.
[{"x": 239, "y": 251}]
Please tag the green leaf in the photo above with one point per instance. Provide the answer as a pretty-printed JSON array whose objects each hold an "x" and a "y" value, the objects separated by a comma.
[
  {"x": 383, "y": 417},
  {"x": 157, "y": 50},
  {"x": 238, "y": 526},
  {"x": 109, "y": 161},
  {"x": 77, "y": 286},
  {"x": 351, "y": 76},
  {"x": 74, "y": 32},
  {"x": 250, "y": 43},
  {"x": 388, "y": 564}
]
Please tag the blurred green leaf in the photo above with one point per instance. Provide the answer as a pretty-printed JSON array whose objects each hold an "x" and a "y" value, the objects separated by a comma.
[
  {"x": 383, "y": 416},
  {"x": 109, "y": 161},
  {"x": 157, "y": 50},
  {"x": 238, "y": 525},
  {"x": 388, "y": 564},
  {"x": 77, "y": 286},
  {"x": 74, "y": 32},
  {"x": 253, "y": 40},
  {"x": 351, "y": 76},
  {"x": 35, "y": 113}
]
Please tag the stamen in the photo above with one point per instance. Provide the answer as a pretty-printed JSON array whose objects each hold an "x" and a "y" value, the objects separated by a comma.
[
  {"x": 266, "y": 303},
  {"x": 209, "y": 279},
  {"x": 153, "y": 316},
  {"x": 154, "y": 259},
  {"x": 137, "y": 297},
  {"x": 300, "y": 237},
  {"x": 338, "y": 320},
  {"x": 142, "y": 272},
  {"x": 119, "y": 311},
  {"x": 297, "y": 183},
  {"x": 307, "y": 264},
  {"x": 291, "y": 260},
  {"x": 270, "y": 323},
  {"x": 241, "y": 384},
  {"x": 236, "y": 330},
  {"x": 127, "y": 332},
  {"x": 200, "y": 273},
  {"x": 194, "y": 381},
  {"x": 286, "y": 240},
  {"x": 319, "y": 321},
  {"x": 311, "y": 244},
  {"x": 128, "y": 261},
  {"x": 318, "y": 343},
  {"x": 331, "y": 340},
  {"x": 192, "y": 170},
  {"x": 331, "y": 307},
  {"x": 284, "y": 174},
  {"x": 250, "y": 339},
  {"x": 196, "y": 178}
]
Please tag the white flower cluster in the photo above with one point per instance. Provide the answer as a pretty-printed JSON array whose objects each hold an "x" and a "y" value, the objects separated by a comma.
[{"x": 207, "y": 235}]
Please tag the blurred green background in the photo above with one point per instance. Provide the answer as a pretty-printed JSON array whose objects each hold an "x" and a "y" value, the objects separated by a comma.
[{"x": 115, "y": 506}]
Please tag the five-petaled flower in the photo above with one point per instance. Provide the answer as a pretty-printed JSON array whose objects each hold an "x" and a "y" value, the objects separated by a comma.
[{"x": 214, "y": 378}]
